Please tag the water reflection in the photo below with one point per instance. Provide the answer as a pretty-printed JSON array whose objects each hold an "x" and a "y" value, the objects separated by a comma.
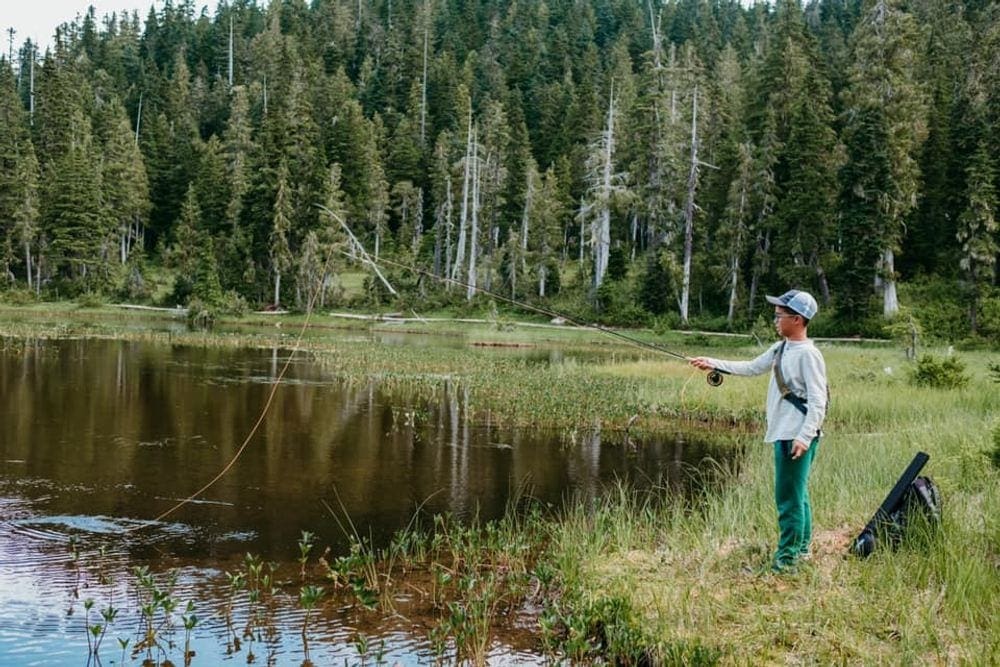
[{"x": 98, "y": 437}]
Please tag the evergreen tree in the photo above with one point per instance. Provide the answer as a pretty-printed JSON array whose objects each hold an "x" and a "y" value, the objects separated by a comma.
[
  {"x": 237, "y": 265},
  {"x": 125, "y": 185},
  {"x": 79, "y": 230},
  {"x": 332, "y": 239},
  {"x": 279, "y": 251},
  {"x": 978, "y": 229},
  {"x": 193, "y": 256},
  {"x": 18, "y": 183},
  {"x": 806, "y": 212},
  {"x": 883, "y": 89}
]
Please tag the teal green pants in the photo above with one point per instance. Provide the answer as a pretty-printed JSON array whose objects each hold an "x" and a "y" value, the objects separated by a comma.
[{"x": 791, "y": 495}]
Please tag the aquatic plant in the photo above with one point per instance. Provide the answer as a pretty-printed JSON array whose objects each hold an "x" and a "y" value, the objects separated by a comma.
[
  {"x": 123, "y": 643},
  {"x": 305, "y": 546},
  {"x": 309, "y": 596},
  {"x": 236, "y": 582},
  {"x": 190, "y": 621}
]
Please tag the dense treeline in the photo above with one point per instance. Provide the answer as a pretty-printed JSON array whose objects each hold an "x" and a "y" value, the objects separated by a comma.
[{"x": 671, "y": 158}]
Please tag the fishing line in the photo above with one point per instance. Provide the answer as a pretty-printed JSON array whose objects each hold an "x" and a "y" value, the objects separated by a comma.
[
  {"x": 714, "y": 377},
  {"x": 263, "y": 413}
]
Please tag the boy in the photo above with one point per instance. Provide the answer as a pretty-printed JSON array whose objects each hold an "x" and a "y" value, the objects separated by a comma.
[{"x": 796, "y": 405}]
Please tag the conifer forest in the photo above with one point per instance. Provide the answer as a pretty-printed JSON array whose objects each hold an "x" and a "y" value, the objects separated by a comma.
[{"x": 634, "y": 161}]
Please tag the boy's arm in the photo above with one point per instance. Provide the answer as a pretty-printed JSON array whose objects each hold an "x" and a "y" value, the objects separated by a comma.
[{"x": 757, "y": 366}]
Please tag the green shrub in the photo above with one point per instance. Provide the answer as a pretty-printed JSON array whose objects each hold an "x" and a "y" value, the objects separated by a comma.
[
  {"x": 933, "y": 304},
  {"x": 994, "y": 371},
  {"x": 18, "y": 297},
  {"x": 994, "y": 453},
  {"x": 938, "y": 372},
  {"x": 201, "y": 315},
  {"x": 233, "y": 304},
  {"x": 91, "y": 300}
]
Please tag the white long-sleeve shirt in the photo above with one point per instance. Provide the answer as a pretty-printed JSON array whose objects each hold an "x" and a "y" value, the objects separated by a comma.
[{"x": 804, "y": 372}]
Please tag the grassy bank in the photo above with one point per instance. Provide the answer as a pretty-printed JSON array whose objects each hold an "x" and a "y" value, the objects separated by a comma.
[{"x": 632, "y": 578}]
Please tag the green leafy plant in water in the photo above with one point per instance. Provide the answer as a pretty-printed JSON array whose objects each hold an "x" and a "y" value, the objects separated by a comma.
[
  {"x": 306, "y": 543},
  {"x": 123, "y": 643},
  {"x": 309, "y": 596},
  {"x": 470, "y": 618},
  {"x": 358, "y": 572},
  {"x": 362, "y": 644},
  {"x": 108, "y": 615},
  {"x": 88, "y": 604},
  {"x": 258, "y": 577},
  {"x": 236, "y": 583},
  {"x": 156, "y": 606},
  {"x": 190, "y": 620}
]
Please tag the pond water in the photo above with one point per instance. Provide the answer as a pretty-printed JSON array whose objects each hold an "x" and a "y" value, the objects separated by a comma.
[{"x": 97, "y": 438}]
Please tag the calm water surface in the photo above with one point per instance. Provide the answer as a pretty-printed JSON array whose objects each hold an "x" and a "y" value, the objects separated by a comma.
[{"x": 99, "y": 437}]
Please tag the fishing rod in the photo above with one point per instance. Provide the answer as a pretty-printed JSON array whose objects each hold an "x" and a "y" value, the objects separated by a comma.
[{"x": 714, "y": 377}]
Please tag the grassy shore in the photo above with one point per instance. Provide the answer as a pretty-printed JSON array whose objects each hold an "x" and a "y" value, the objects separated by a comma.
[{"x": 633, "y": 578}]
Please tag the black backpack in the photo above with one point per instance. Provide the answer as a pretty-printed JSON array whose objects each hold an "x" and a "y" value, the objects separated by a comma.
[{"x": 920, "y": 506}]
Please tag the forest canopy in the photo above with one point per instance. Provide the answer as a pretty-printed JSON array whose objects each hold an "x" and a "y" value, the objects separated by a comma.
[{"x": 646, "y": 162}]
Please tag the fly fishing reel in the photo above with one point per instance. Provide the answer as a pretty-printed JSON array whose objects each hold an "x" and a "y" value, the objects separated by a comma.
[{"x": 714, "y": 378}]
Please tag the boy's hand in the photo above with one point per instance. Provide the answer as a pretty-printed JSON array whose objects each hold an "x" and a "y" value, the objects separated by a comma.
[
  {"x": 702, "y": 363},
  {"x": 798, "y": 449}
]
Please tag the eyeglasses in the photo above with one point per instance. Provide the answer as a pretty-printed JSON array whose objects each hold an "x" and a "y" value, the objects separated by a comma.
[{"x": 778, "y": 316}]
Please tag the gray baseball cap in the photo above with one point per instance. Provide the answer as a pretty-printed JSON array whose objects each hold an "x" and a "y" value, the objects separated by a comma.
[{"x": 797, "y": 301}]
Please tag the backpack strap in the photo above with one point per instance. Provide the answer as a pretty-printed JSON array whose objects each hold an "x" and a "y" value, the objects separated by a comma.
[{"x": 786, "y": 393}]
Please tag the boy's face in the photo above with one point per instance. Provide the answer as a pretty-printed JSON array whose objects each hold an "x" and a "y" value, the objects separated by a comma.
[{"x": 786, "y": 323}]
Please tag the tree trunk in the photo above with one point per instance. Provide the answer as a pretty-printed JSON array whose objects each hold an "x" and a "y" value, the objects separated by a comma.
[
  {"x": 447, "y": 228},
  {"x": 423, "y": 85},
  {"x": 734, "y": 273},
  {"x": 890, "y": 301},
  {"x": 602, "y": 232},
  {"x": 528, "y": 197},
  {"x": 689, "y": 207},
  {"x": 27, "y": 262},
  {"x": 138, "y": 119},
  {"x": 474, "y": 232},
  {"x": 734, "y": 277},
  {"x": 277, "y": 287},
  {"x": 464, "y": 215},
  {"x": 230, "y": 51}
]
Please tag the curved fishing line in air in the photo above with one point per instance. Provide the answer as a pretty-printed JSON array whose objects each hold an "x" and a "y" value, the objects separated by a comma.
[{"x": 263, "y": 412}]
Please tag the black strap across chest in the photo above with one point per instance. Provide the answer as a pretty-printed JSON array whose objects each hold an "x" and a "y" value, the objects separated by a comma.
[{"x": 786, "y": 393}]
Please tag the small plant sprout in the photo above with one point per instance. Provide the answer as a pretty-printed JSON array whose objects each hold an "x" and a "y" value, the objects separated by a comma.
[
  {"x": 306, "y": 543},
  {"x": 88, "y": 604},
  {"x": 108, "y": 615},
  {"x": 360, "y": 641},
  {"x": 190, "y": 620},
  {"x": 309, "y": 596},
  {"x": 123, "y": 645},
  {"x": 237, "y": 582}
]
